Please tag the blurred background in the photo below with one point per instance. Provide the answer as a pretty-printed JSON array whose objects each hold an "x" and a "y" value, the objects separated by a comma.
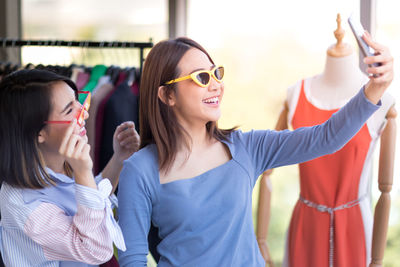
[{"x": 266, "y": 46}]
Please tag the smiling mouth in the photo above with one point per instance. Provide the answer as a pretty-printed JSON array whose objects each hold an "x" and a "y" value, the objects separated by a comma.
[{"x": 211, "y": 100}]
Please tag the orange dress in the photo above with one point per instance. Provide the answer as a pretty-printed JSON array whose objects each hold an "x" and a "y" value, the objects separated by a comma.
[{"x": 331, "y": 224}]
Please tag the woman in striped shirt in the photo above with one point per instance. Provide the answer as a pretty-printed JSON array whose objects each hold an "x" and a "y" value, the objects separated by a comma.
[{"x": 53, "y": 211}]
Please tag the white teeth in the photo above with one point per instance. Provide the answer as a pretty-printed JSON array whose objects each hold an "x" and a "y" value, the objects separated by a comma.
[{"x": 211, "y": 100}]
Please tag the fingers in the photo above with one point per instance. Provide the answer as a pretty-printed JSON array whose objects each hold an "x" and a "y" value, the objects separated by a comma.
[
  {"x": 131, "y": 142},
  {"x": 383, "y": 58},
  {"x": 131, "y": 145},
  {"x": 383, "y": 78},
  {"x": 73, "y": 142},
  {"x": 377, "y": 59},
  {"x": 76, "y": 148},
  {"x": 126, "y": 132},
  {"x": 67, "y": 135},
  {"x": 382, "y": 54},
  {"x": 73, "y": 145},
  {"x": 77, "y": 151},
  {"x": 368, "y": 39},
  {"x": 125, "y": 129},
  {"x": 127, "y": 124},
  {"x": 381, "y": 64},
  {"x": 379, "y": 70},
  {"x": 86, "y": 150},
  {"x": 382, "y": 72},
  {"x": 127, "y": 137}
]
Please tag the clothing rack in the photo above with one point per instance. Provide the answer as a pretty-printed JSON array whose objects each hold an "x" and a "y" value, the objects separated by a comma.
[{"x": 7, "y": 42}]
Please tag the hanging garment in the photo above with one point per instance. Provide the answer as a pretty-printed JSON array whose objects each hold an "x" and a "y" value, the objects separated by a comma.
[
  {"x": 99, "y": 123},
  {"x": 103, "y": 80},
  {"x": 120, "y": 107},
  {"x": 97, "y": 72},
  {"x": 97, "y": 97},
  {"x": 331, "y": 224},
  {"x": 75, "y": 72},
  {"x": 82, "y": 80}
]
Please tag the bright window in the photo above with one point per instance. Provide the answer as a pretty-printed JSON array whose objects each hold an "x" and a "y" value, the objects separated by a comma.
[{"x": 96, "y": 20}]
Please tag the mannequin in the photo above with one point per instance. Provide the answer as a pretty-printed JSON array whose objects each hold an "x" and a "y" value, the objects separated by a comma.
[{"x": 331, "y": 224}]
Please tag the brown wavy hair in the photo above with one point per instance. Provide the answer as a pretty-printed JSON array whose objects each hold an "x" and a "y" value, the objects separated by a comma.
[{"x": 157, "y": 121}]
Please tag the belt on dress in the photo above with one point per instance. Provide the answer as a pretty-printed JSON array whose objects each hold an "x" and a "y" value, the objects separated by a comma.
[{"x": 323, "y": 208}]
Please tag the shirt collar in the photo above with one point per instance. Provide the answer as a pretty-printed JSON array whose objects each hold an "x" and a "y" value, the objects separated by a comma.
[{"x": 59, "y": 176}]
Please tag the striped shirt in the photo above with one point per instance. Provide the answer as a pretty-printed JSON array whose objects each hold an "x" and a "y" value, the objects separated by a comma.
[{"x": 63, "y": 225}]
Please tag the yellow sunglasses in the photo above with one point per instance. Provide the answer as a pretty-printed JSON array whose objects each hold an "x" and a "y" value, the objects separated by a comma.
[{"x": 203, "y": 77}]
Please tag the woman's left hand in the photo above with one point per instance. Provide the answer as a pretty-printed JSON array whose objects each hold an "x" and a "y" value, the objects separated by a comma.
[
  {"x": 126, "y": 140},
  {"x": 380, "y": 76}
]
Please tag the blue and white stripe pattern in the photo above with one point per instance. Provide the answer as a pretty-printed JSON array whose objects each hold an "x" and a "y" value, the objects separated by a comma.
[{"x": 63, "y": 225}]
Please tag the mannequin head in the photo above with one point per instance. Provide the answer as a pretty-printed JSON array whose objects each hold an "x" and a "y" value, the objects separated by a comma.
[
  {"x": 339, "y": 49},
  {"x": 341, "y": 78}
]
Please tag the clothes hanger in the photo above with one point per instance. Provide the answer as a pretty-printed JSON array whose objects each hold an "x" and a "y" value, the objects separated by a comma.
[
  {"x": 29, "y": 66},
  {"x": 115, "y": 74},
  {"x": 131, "y": 76}
]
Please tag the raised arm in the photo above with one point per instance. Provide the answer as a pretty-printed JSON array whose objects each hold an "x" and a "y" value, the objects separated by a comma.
[
  {"x": 125, "y": 142},
  {"x": 385, "y": 180},
  {"x": 380, "y": 79}
]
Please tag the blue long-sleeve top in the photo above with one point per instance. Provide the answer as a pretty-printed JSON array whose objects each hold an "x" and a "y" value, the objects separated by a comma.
[{"x": 207, "y": 220}]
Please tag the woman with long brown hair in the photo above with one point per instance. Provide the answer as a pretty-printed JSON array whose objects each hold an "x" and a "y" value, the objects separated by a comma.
[{"x": 194, "y": 180}]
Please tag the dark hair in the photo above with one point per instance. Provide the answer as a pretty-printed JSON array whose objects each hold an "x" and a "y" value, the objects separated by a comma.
[
  {"x": 158, "y": 123},
  {"x": 25, "y": 105}
]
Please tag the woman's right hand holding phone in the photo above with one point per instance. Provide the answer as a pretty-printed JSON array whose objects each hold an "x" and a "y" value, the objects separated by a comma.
[
  {"x": 75, "y": 149},
  {"x": 381, "y": 76}
]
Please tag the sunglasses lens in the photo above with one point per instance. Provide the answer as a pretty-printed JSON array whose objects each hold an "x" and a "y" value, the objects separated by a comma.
[
  {"x": 203, "y": 78},
  {"x": 219, "y": 73}
]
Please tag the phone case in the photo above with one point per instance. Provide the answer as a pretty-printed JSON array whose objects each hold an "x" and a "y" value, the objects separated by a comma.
[{"x": 358, "y": 32}]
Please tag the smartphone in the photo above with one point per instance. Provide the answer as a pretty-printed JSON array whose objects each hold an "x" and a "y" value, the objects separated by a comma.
[{"x": 358, "y": 32}]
